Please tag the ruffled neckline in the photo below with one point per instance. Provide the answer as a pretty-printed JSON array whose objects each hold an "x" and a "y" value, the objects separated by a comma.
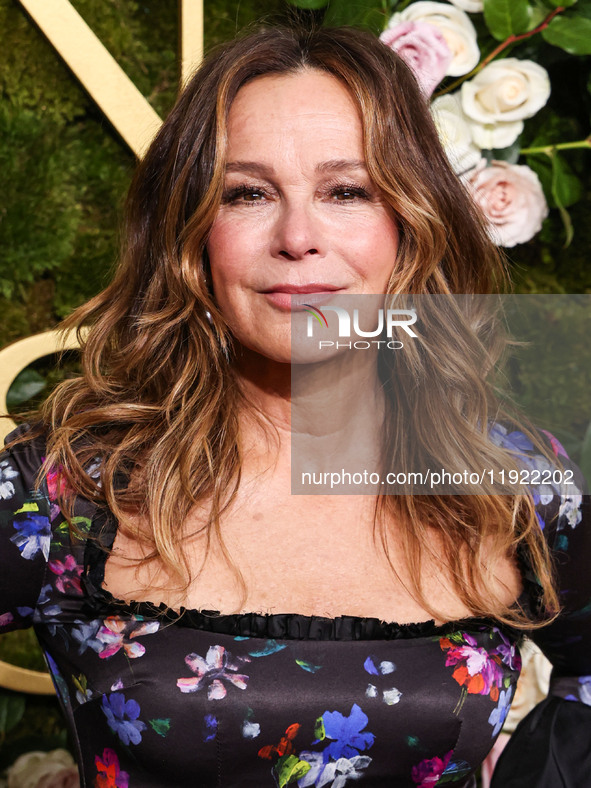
[{"x": 276, "y": 626}]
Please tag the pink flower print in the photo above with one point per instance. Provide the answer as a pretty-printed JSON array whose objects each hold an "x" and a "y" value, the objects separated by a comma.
[
  {"x": 6, "y": 619},
  {"x": 477, "y": 670},
  {"x": 56, "y": 483},
  {"x": 428, "y": 772},
  {"x": 109, "y": 773},
  {"x": 217, "y": 667},
  {"x": 117, "y": 633},
  {"x": 68, "y": 572},
  {"x": 557, "y": 446},
  {"x": 508, "y": 652}
]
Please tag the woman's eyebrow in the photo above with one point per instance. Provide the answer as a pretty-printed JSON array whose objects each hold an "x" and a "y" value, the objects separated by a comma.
[
  {"x": 258, "y": 167},
  {"x": 333, "y": 165},
  {"x": 250, "y": 166}
]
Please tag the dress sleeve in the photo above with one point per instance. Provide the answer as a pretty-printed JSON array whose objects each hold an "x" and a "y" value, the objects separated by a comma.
[
  {"x": 25, "y": 534},
  {"x": 551, "y": 747}
]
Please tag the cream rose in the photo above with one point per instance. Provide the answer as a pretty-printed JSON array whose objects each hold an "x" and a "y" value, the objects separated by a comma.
[
  {"x": 471, "y": 6},
  {"x": 532, "y": 686},
  {"x": 53, "y": 769},
  {"x": 511, "y": 198},
  {"x": 454, "y": 133},
  {"x": 454, "y": 24},
  {"x": 423, "y": 48},
  {"x": 505, "y": 91},
  {"x": 494, "y": 135}
]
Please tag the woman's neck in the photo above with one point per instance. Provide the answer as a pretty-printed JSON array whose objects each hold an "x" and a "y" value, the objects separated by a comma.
[{"x": 325, "y": 412}]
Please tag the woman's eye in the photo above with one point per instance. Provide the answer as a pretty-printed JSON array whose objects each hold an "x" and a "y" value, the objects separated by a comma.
[
  {"x": 349, "y": 193},
  {"x": 244, "y": 195}
]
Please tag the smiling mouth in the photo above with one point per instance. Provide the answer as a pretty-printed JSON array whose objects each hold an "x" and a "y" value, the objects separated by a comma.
[{"x": 291, "y": 298}]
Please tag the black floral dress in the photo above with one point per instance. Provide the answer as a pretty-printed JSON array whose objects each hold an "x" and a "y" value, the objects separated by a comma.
[{"x": 192, "y": 698}]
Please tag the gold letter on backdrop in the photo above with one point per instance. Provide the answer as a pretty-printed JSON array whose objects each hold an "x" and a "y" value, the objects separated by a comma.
[
  {"x": 111, "y": 88},
  {"x": 15, "y": 357}
]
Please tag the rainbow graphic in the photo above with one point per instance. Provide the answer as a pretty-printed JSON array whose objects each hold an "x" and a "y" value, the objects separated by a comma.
[{"x": 314, "y": 311}]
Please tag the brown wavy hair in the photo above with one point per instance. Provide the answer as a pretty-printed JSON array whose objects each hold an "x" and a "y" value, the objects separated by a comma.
[{"x": 158, "y": 393}]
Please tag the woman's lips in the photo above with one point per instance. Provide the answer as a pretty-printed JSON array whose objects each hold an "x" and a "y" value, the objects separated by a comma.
[{"x": 296, "y": 299}]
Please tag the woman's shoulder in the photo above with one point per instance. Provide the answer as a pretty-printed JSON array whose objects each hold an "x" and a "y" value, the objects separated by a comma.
[
  {"x": 555, "y": 482},
  {"x": 21, "y": 458}
]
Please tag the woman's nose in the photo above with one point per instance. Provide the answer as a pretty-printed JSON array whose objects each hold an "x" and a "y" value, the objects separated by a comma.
[{"x": 298, "y": 233}]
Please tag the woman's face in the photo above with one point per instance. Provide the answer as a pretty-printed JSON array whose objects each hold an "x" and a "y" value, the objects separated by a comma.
[{"x": 300, "y": 215}]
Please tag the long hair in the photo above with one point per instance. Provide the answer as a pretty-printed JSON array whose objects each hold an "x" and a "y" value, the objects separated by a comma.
[{"x": 158, "y": 399}]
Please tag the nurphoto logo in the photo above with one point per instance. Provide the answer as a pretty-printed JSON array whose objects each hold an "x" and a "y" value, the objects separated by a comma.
[{"x": 387, "y": 319}]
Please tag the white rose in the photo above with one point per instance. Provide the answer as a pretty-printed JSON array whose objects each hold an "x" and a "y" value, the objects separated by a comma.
[
  {"x": 494, "y": 135},
  {"x": 532, "y": 686},
  {"x": 506, "y": 90},
  {"x": 43, "y": 768},
  {"x": 471, "y": 6},
  {"x": 511, "y": 198},
  {"x": 454, "y": 133},
  {"x": 454, "y": 24}
]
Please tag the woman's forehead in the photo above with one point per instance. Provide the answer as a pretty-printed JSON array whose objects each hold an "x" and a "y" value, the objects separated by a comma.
[{"x": 310, "y": 111}]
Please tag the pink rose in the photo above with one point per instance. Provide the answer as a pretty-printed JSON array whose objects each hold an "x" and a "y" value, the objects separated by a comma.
[
  {"x": 423, "y": 48},
  {"x": 65, "y": 778},
  {"x": 511, "y": 198}
]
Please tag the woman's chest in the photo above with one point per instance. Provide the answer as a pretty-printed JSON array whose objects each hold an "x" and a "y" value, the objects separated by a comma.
[
  {"x": 284, "y": 702},
  {"x": 318, "y": 555}
]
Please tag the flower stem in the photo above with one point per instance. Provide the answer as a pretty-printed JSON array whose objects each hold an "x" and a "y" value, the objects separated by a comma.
[
  {"x": 513, "y": 39},
  {"x": 549, "y": 149}
]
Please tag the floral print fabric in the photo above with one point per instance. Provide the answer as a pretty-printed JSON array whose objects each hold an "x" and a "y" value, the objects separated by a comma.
[{"x": 157, "y": 698}]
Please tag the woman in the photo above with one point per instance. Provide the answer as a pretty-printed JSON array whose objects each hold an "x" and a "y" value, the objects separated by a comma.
[{"x": 297, "y": 166}]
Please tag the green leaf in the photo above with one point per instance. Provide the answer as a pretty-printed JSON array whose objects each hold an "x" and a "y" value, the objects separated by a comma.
[
  {"x": 161, "y": 726},
  {"x": 319, "y": 730},
  {"x": 573, "y": 34},
  {"x": 536, "y": 16},
  {"x": 559, "y": 3},
  {"x": 368, "y": 14},
  {"x": 506, "y": 17},
  {"x": 561, "y": 186},
  {"x": 290, "y": 768},
  {"x": 310, "y": 5},
  {"x": 83, "y": 523},
  {"x": 566, "y": 189},
  {"x": 29, "y": 506},
  {"x": 12, "y": 708},
  {"x": 26, "y": 385},
  {"x": 309, "y": 666}
]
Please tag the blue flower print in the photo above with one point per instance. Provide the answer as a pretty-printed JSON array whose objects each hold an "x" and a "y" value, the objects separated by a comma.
[
  {"x": 499, "y": 714},
  {"x": 122, "y": 717},
  {"x": 59, "y": 682},
  {"x": 512, "y": 441},
  {"x": 346, "y": 733},
  {"x": 6, "y": 486},
  {"x": 34, "y": 534},
  {"x": 45, "y": 612},
  {"x": 86, "y": 636},
  {"x": 210, "y": 726},
  {"x": 508, "y": 652}
]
